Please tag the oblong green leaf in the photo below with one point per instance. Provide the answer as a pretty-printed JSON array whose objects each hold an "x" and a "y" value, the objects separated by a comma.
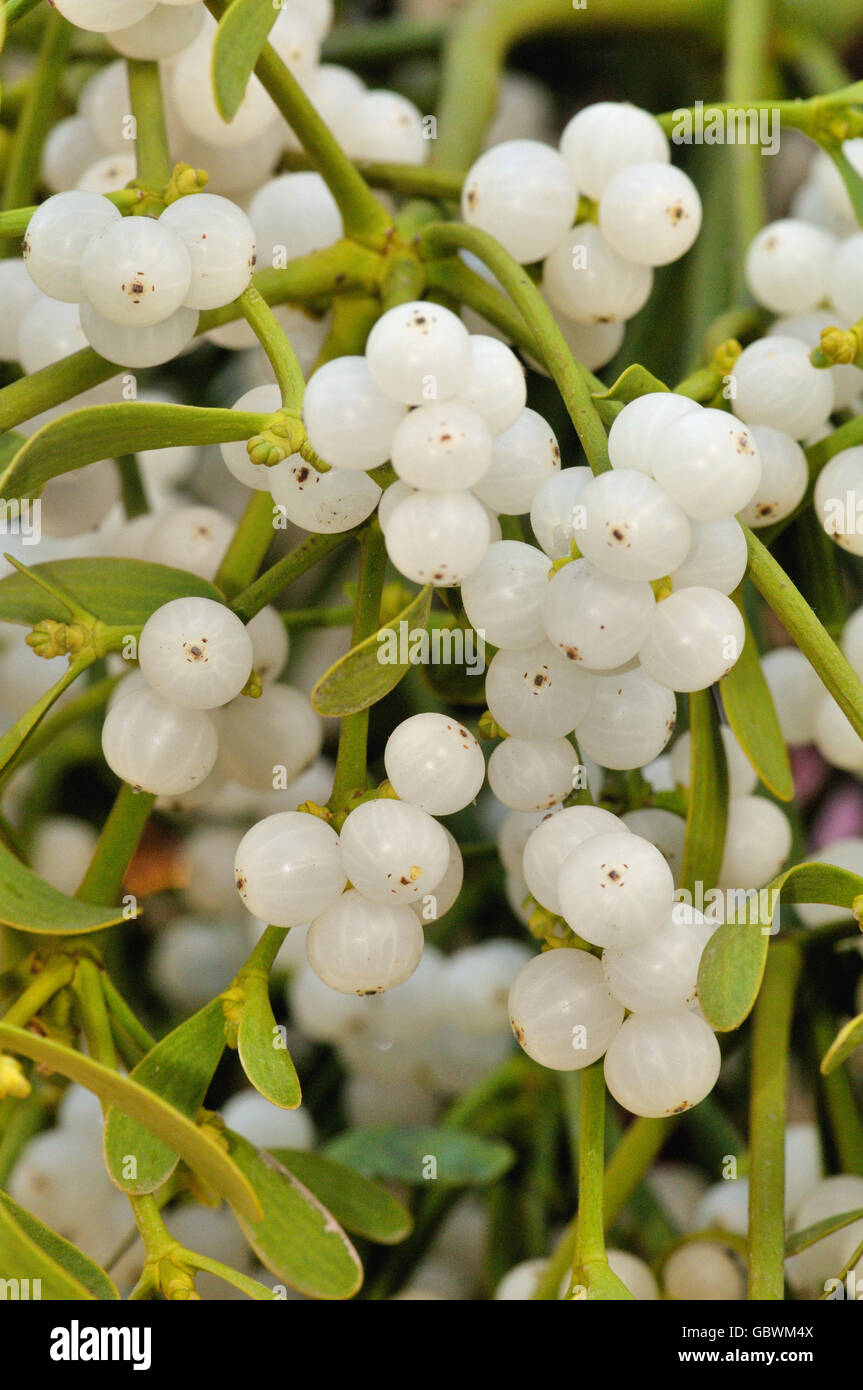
[
  {"x": 32, "y": 1250},
  {"x": 241, "y": 35},
  {"x": 267, "y": 1065},
  {"x": 452, "y": 1157},
  {"x": 707, "y": 813},
  {"x": 107, "y": 431},
  {"x": 117, "y": 590},
  {"x": 801, "y": 1240},
  {"x": 372, "y": 669},
  {"x": 30, "y": 904},
  {"x": 179, "y": 1069},
  {"x": 732, "y": 966},
  {"x": 357, "y": 1203},
  {"x": 634, "y": 382},
  {"x": 297, "y": 1238},
  {"x": 203, "y": 1155},
  {"x": 751, "y": 713},
  {"x": 847, "y": 1040}
]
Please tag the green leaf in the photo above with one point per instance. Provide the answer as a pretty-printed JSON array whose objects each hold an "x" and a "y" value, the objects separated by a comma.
[
  {"x": 847, "y": 1040},
  {"x": 179, "y": 1069},
  {"x": 203, "y": 1155},
  {"x": 732, "y": 966},
  {"x": 120, "y": 592},
  {"x": 107, "y": 431},
  {"x": 297, "y": 1238},
  {"x": 30, "y": 904},
  {"x": 241, "y": 35},
  {"x": 801, "y": 1240},
  {"x": 30, "y": 1250},
  {"x": 268, "y": 1067},
  {"x": 390, "y": 1151},
  {"x": 372, "y": 669},
  {"x": 708, "y": 795},
  {"x": 751, "y": 713},
  {"x": 10, "y": 443},
  {"x": 634, "y": 382},
  {"x": 357, "y": 1203}
]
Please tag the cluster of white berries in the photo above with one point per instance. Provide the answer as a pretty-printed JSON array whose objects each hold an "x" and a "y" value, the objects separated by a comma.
[
  {"x": 139, "y": 282},
  {"x": 615, "y": 890},
  {"x": 598, "y": 273},
  {"x": 182, "y": 711},
  {"x": 292, "y": 868}
]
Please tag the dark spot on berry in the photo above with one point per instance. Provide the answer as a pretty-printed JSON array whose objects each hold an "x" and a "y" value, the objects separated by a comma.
[
  {"x": 617, "y": 533},
  {"x": 539, "y": 679},
  {"x": 613, "y": 875},
  {"x": 572, "y": 653},
  {"x": 241, "y": 883},
  {"x": 677, "y": 213},
  {"x": 302, "y": 474}
]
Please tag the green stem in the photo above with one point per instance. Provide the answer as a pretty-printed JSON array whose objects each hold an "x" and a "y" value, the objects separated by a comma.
[
  {"x": 116, "y": 846},
  {"x": 264, "y": 954},
  {"x": 411, "y": 180},
  {"x": 571, "y": 379},
  {"x": 768, "y": 1099},
  {"x": 794, "y": 612},
  {"x": 366, "y": 221},
  {"x": 299, "y": 619},
  {"x": 351, "y": 758},
  {"x": 248, "y": 548},
  {"x": 54, "y": 977},
  {"x": 22, "y": 171},
  {"x": 132, "y": 488},
  {"x": 19, "y": 9},
  {"x": 123, "y": 1015},
  {"x": 148, "y": 108},
  {"x": 819, "y": 67},
  {"x": 243, "y": 1282},
  {"x": 590, "y": 1232},
  {"x": 91, "y": 700},
  {"x": 285, "y": 571},
  {"x": 274, "y": 341},
  {"x": 14, "y": 221},
  {"x": 747, "y": 34},
  {"x": 94, "y": 1014}
]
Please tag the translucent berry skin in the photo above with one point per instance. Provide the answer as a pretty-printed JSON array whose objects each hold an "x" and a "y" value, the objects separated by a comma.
[
  {"x": 637, "y": 435},
  {"x": 561, "y": 1011},
  {"x": 357, "y": 946},
  {"x": 279, "y": 730},
  {"x": 267, "y": 400},
  {"x": 523, "y": 458},
  {"x": 552, "y": 842},
  {"x": 709, "y": 464},
  {"x": 615, "y": 889},
  {"x": 532, "y": 774},
  {"x": 477, "y": 983},
  {"x": 193, "y": 99},
  {"x": 555, "y": 514},
  {"x": 288, "y": 869},
  {"x": 837, "y": 499},
  {"x": 632, "y": 528},
  {"x": 757, "y": 842},
  {"x": 220, "y": 242},
  {"x": 496, "y": 387},
  {"x": 629, "y": 720},
  {"x": 350, "y": 421},
  {"x": 195, "y": 652},
  {"x": 704, "y": 1272},
  {"x": 788, "y": 266},
  {"x": 57, "y": 238},
  {"x": 650, "y": 213},
  {"x": 435, "y": 763},
  {"x": 662, "y": 1065},
  {"x": 717, "y": 556},
  {"x": 325, "y": 503},
  {"x": 845, "y": 289},
  {"x": 191, "y": 538},
  {"x": 393, "y": 852},
  {"x": 438, "y": 538},
  {"x": 162, "y": 33},
  {"x": 130, "y": 345},
  {"x": 537, "y": 692},
  {"x": 419, "y": 352},
  {"x": 796, "y": 690},
  {"x": 385, "y": 126},
  {"x": 607, "y": 136},
  {"x": 595, "y": 619},
  {"x": 523, "y": 193},
  {"x": 660, "y": 975},
  {"x": 442, "y": 446},
  {"x": 158, "y": 746},
  {"x": 775, "y": 384},
  {"x": 585, "y": 279},
  {"x": 784, "y": 478},
  {"x": 136, "y": 271},
  {"x": 696, "y": 637},
  {"x": 294, "y": 211},
  {"x": 103, "y": 16}
]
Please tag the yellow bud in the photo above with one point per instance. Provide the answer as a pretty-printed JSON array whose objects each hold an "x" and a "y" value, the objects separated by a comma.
[{"x": 13, "y": 1082}]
